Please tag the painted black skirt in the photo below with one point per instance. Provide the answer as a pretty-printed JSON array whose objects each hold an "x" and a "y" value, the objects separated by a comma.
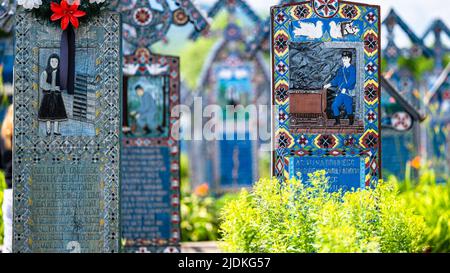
[{"x": 52, "y": 107}]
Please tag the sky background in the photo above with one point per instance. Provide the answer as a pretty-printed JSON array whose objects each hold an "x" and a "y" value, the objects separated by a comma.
[{"x": 418, "y": 14}]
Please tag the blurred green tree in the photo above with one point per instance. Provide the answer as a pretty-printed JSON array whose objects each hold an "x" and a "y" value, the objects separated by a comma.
[
  {"x": 194, "y": 54},
  {"x": 417, "y": 65}
]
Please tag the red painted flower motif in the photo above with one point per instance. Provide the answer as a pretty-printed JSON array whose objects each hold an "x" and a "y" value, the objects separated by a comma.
[
  {"x": 350, "y": 141},
  {"x": 282, "y": 116},
  {"x": 326, "y": 8},
  {"x": 326, "y": 142},
  {"x": 66, "y": 13},
  {"x": 281, "y": 43},
  {"x": 282, "y": 92},
  {"x": 301, "y": 12},
  {"x": 371, "y": 17},
  {"x": 281, "y": 67},
  {"x": 281, "y": 18},
  {"x": 143, "y": 16},
  {"x": 371, "y": 116},
  {"x": 350, "y": 11},
  {"x": 371, "y": 42},
  {"x": 371, "y": 68},
  {"x": 371, "y": 92},
  {"x": 303, "y": 141}
]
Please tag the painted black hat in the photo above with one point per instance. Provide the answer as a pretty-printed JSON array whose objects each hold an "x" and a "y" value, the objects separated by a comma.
[{"x": 347, "y": 54}]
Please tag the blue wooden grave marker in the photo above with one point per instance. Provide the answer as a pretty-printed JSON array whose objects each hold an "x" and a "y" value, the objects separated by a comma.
[
  {"x": 150, "y": 155},
  {"x": 150, "y": 188},
  {"x": 66, "y": 168},
  {"x": 326, "y": 89},
  {"x": 233, "y": 77}
]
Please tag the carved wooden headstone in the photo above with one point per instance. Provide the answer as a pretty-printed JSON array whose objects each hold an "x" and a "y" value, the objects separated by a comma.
[
  {"x": 236, "y": 154},
  {"x": 238, "y": 82},
  {"x": 326, "y": 91},
  {"x": 400, "y": 121},
  {"x": 438, "y": 131},
  {"x": 150, "y": 154},
  {"x": 150, "y": 189},
  {"x": 67, "y": 149}
]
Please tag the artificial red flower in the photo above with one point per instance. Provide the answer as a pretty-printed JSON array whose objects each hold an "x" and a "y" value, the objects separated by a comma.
[{"x": 66, "y": 13}]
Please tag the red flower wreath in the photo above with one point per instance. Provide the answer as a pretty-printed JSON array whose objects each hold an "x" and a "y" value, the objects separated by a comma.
[{"x": 66, "y": 13}]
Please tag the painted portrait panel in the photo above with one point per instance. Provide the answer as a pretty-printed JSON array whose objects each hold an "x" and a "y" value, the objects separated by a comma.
[
  {"x": 61, "y": 113},
  {"x": 326, "y": 87},
  {"x": 147, "y": 106}
]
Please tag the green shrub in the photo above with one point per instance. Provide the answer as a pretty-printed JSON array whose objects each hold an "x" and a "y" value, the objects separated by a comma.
[
  {"x": 199, "y": 221},
  {"x": 200, "y": 214},
  {"x": 2, "y": 187},
  {"x": 417, "y": 65},
  {"x": 199, "y": 209},
  {"x": 284, "y": 217},
  {"x": 264, "y": 165},
  {"x": 432, "y": 201}
]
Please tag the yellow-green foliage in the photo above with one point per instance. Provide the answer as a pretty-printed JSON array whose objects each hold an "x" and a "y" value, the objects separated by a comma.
[
  {"x": 432, "y": 201},
  {"x": 264, "y": 165},
  {"x": 199, "y": 221},
  {"x": 446, "y": 59},
  {"x": 199, "y": 216},
  {"x": 2, "y": 187},
  {"x": 199, "y": 208},
  {"x": 292, "y": 217}
]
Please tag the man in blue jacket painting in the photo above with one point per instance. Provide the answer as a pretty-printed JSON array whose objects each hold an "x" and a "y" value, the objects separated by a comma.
[
  {"x": 344, "y": 81},
  {"x": 146, "y": 114}
]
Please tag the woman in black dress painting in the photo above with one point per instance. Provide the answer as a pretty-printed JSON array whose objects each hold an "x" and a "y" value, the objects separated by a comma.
[{"x": 52, "y": 109}]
